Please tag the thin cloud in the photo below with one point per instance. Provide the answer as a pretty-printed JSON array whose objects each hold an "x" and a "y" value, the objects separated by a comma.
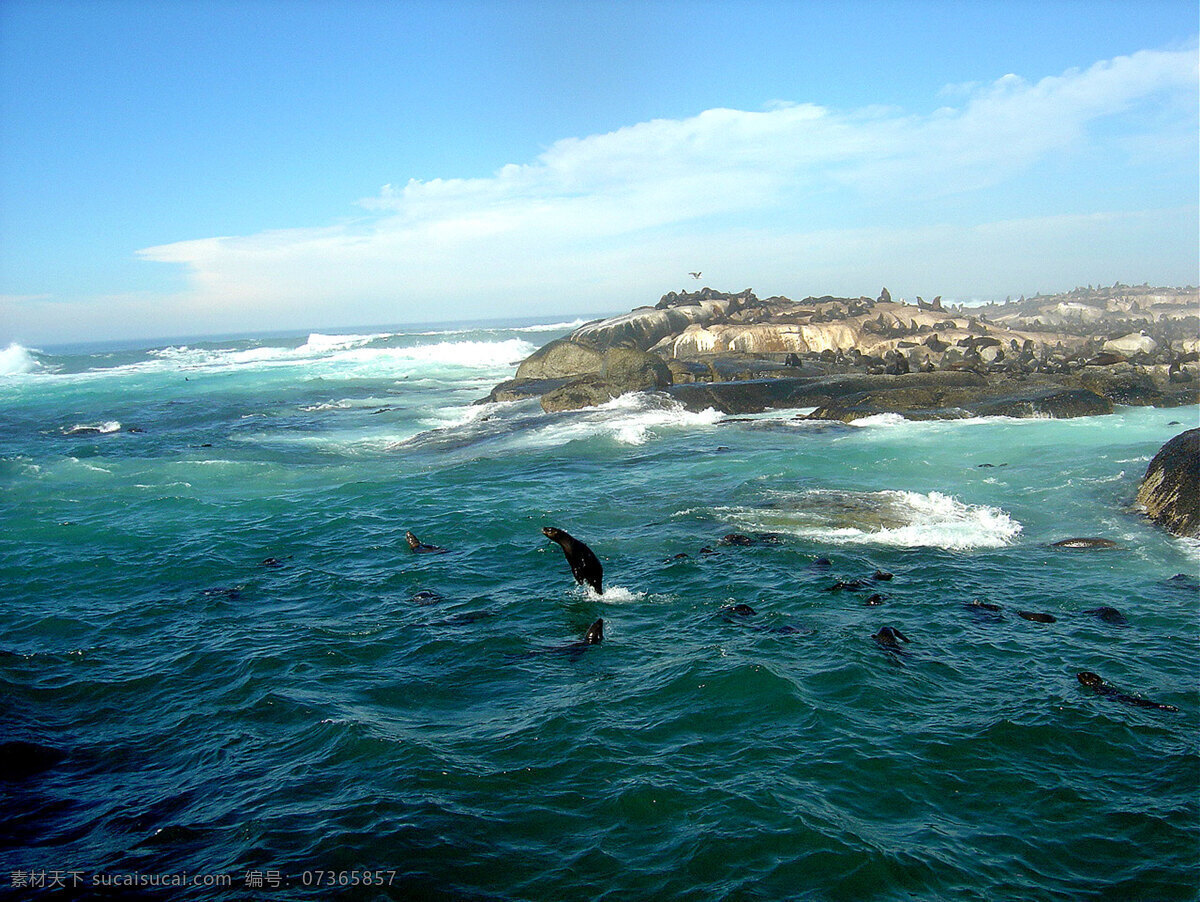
[{"x": 632, "y": 194}]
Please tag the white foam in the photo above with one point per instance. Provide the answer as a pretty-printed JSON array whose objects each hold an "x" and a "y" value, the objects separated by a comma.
[
  {"x": 106, "y": 428},
  {"x": 16, "y": 360},
  {"x": 319, "y": 343},
  {"x": 897, "y": 518},
  {"x": 881, "y": 420},
  {"x": 631, "y": 419},
  {"x": 616, "y": 595},
  {"x": 351, "y": 352}
]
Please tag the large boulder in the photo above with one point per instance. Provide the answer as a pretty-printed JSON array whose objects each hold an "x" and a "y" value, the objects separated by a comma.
[
  {"x": 1133, "y": 343},
  {"x": 622, "y": 370},
  {"x": 1170, "y": 490},
  {"x": 561, "y": 359}
]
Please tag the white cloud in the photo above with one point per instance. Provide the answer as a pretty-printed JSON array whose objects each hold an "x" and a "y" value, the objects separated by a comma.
[{"x": 600, "y": 212}]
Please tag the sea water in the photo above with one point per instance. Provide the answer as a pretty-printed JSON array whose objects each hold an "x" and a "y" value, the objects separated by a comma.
[{"x": 243, "y": 681}]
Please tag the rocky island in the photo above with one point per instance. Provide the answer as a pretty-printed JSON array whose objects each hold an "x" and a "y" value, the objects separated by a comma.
[{"x": 1063, "y": 355}]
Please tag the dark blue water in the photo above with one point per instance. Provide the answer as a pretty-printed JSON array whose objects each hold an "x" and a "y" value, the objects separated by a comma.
[{"x": 352, "y": 720}]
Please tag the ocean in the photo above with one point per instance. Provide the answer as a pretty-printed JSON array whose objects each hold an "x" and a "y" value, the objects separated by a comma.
[{"x": 226, "y": 675}]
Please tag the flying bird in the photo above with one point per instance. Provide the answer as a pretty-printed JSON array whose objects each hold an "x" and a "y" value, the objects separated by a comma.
[{"x": 694, "y": 275}]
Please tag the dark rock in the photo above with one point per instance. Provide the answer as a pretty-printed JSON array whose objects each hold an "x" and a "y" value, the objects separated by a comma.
[
  {"x": 757, "y": 395},
  {"x": 1121, "y": 383},
  {"x": 1054, "y": 403},
  {"x": 520, "y": 389},
  {"x": 1170, "y": 490}
]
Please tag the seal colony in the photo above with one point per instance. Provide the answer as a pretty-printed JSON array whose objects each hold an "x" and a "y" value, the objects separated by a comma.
[{"x": 1073, "y": 354}]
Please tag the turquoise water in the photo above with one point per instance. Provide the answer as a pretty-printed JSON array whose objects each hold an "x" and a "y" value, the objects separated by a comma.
[{"x": 317, "y": 720}]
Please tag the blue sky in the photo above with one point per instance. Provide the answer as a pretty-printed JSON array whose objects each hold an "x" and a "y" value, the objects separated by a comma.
[{"x": 206, "y": 167}]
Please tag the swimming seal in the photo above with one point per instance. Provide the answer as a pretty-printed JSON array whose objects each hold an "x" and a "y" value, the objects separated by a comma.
[
  {"x": 420, "y": 547},
  {"x": 889, "y": 637},
  {"x": 1037, "y": 617},
  {"x": 1101, "y": 686},
  {"x": 572, "y": 650},
  {"x": 585, "y": 566},
  {"x": 1109, "y": 615},
  {"x": 1084, "y": 543}
]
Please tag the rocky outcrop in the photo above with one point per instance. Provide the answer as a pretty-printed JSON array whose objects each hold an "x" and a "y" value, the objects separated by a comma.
[
  {"x": 951, "y": 402},
  {"x": 757, "y": 395},
  {"x": 1170, "y": 490},
  {"x": 1066, "y": 355}
]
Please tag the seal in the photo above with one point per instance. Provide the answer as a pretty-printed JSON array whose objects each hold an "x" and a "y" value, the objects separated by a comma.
[
  {"x": 1109, "y": 615},
  {"x": 1037, "y": 617},
  {"x": 890, "y": 638},
  {"x": 420, "y": 547},
  {"x": 1084, "y": 543},
  {"x": 585, "y": 566},
  {"x": 1102, "y": 687}
]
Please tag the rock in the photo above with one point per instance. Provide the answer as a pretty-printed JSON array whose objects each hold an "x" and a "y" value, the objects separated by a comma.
[
  {"x": 644, "y": 327},
  {"x": 622, "y": 370},
  {"x": 588, "y": 391},
  {"x": 561, "y": 359},
  {"x": 1133, "y": 343},
  {"x": 933, "y": 402},
  {"x": 1055, "y": 403},
  {"x": 520, "y": 389},
  {"x": 757, "y": 395},
  {"x": 634, "y": 370},
  {"x": 1121, "y": 383},
  {"x": 1170, "y": 490}
]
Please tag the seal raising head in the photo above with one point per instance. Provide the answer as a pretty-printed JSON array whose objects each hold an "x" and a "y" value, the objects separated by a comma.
[
  {"x": 420, "y": 547},
  {"x": 585, "y": 566}
]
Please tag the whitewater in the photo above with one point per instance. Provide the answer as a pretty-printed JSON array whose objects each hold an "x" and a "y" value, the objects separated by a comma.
[{"x": 219, "y": 656}]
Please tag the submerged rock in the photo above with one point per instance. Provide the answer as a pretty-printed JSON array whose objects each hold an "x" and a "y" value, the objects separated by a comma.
[{"x": 1170, "y": 490}]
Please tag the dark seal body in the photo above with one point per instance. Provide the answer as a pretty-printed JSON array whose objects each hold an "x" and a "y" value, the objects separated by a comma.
[
  {"x": 1101, "y": 686},
  {"x": 420, "y": 547},
  {"x": 585, "y": 566}
]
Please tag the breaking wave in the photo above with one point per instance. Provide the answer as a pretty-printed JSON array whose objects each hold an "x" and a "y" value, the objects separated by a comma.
[
  {"x": 898, "y": 518},
  {"x": 17, "y": 359}
]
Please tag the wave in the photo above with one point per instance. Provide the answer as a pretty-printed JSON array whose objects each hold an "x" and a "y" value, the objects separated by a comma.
[
  {"x": 16, "y": 360},
  {"x": 106, "y": 428},
  {"x": 897, "y": 518},
  {"x": 631, "y": 419},
  {"x": 339, "y": 351},
  {"x": 319, "y": 343}
]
